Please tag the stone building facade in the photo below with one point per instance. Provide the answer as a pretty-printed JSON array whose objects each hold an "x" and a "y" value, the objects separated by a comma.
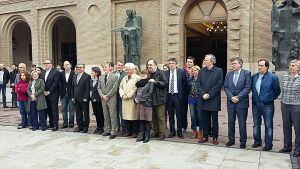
[{"x": 33, "y": 30}]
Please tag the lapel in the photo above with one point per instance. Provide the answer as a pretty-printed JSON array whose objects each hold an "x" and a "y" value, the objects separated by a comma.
[
  {"x": 211, "y": 76},
  {"x": 64, "y": 76},
  {"x": 49, "y": 74},
  {"x": 240, "y": 77},
  {"x": 82, "y": 76}
]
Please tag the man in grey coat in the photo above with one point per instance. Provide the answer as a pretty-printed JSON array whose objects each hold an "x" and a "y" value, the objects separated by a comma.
[{"x": 107, "y": 88}]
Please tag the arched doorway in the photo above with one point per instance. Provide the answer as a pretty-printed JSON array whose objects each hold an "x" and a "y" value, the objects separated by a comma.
[
  {"x": 21, "y": 43},
  {"x": 64, "y": 41},
  {"x": 206, "y": 31}
]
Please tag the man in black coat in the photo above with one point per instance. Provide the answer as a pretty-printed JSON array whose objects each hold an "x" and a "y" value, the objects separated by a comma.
[
  {"x": 81, "y": 96},
  {"x": 66, "y": 86},
  {"x": 177, "y": 91},
  {"x": 4, "y": 79},
  {"x": 209, "y": 85},
  {"x": 52, "y": 79},
  {"x": 13, "y": 75}
]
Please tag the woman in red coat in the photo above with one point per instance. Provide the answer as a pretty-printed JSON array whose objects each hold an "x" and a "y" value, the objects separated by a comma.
[{"x": 22, "y": 96}]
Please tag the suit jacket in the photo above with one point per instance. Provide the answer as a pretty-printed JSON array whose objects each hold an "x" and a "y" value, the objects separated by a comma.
[
  {"x": 52, "y": 83},
  {"x": 13, "y": 75},
  {"x": 66, "y": 87},
  {"x": 110, "y": 88},
  {"x": 95, "y": 97},
  {"x": 241, "y": 90},
  {"x": 182, "y": 84},
  {"x": 210, "y": 82},
  {"x": 6, "y": 76},
  {"x": 82, "y": 89}
]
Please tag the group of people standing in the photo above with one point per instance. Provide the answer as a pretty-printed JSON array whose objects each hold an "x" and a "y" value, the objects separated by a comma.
[{"x": 133, "y": 102}]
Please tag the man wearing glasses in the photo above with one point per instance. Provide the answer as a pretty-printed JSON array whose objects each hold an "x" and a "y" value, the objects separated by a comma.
[
  {"x": 51, "y": 78},
  {"x": 80, "y": 96}
]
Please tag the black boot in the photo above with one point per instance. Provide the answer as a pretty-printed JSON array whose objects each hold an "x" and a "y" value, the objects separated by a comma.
[
  {"x": 141, "y": 133},
  {"x": 147, "y": 132}
]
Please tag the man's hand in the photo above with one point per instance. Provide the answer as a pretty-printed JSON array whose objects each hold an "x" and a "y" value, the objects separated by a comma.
[
  {"x": 105, "y": 98},
  {"x": 235, "y": 99},
  {"x": 33, "y": 97},
  {"x": 46, "y": 93},
  {"x": 73, "y": 100},
  {"x": 205, "y": 96},
  {"x": 151, "y": 81},
  {"x": 85, "y": 100},
  {"x": 124, "y": 97}
]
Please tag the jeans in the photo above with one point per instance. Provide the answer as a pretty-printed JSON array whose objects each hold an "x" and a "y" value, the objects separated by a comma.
[
  {"x": 194, "y": 115},
  {"x": 267, "y": 112},
  {"x": 3, "y": 90},
  {"x": 119, "y": 114},
  {"x": 67, "y": 106},
  {"x": 22, "y": 107}
]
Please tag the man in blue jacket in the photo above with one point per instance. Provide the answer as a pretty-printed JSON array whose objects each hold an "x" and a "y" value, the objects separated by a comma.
[
  {"x": 237, "y": 87},
  {"x": 265, "y": 89}
]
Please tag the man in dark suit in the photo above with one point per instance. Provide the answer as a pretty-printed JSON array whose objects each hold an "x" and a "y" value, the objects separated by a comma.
[
  {"x": 237, "y": 86},
  {"x": 51, "y": 78},
  {"x": 4, "y": 79},
  {"x": 80, "y": 96},
  {"x": 66, "y": 86},
  {"x": 177, "y": 91},
  {"x": 121, "y": 74},
  {"x": 209, "y": 84},
  {"x": 13, "y": 75}
]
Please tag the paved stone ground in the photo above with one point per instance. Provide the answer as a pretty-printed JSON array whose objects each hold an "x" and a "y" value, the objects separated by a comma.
[{"x": 27, "y": 149}]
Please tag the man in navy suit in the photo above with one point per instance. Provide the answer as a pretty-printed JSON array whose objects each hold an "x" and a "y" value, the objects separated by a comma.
[
  {"x": 209, "y": 85},
  {"x": 177, "y": 91},
  {"x": 237, "y": 86},
  {"x": 51, "y": 78}
]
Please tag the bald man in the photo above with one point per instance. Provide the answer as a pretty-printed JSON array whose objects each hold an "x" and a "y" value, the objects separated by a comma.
[{"x": 4, "y": 79}]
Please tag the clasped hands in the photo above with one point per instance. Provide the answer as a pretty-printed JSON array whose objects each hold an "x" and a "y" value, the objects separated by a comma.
[{"x": 235, "y": 99}]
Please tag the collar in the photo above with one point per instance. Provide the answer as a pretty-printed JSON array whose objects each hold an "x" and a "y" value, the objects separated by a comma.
[{"x": 239, "y": 72}]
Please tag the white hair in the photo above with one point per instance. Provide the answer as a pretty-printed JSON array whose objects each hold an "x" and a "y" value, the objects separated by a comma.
[{"x": 129, "y": 65}]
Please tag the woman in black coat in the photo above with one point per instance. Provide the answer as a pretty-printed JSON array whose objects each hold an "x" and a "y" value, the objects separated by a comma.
[{"x": 96, "y": 100}]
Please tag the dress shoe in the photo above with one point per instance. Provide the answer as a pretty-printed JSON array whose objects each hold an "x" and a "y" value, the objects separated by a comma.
[
  {"x": 71, "y": 126},
  {"x": 139, "y": 139},
  {"x": 162, "y": 137},
  {"x": 96, "y": 130},
  {"x": 44, "y": 129},
  {"x": 171, "y": 135},
  {"x": 30, "y": 127},
  {"x": 146, "y": 140},
  {"x": 100, "y": 131},
  {"x": 5, "y": 106},
  {"x": 203, "y": 140},
  {"x": 85, "y": 130},
  {"x": 243, "y": 145},
  {"x": 20, "y": 127},
  {"x": 64, "y": 126},
  {"x": 180, "y": 135},
  {"x": 153, "y": 135},
  {"x": 296, "y": 154},
  {"x": 134, "y": 136},
  {"x": 128, "y": 134},
  {"x": 55, "y": 128},
  {"x": 256, "y": 145},
  {"x": 34, "y": 129},
  {"x": 105, "y": 134},
  {"x": 229, "y": 143},
  {"x": 49, "y": 126},
  {"x": 112, "y": 136},
  {"x": 285, "y": 150},
  {"x": 78, "y": 129},
  {"x": 267, "y": 148},
  {"x": 215, "y": 141}
]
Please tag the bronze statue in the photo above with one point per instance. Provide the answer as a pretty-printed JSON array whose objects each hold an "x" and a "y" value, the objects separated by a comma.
[
  {"x": 286, "y": 30},
  {"x": 131, "y": 36}
]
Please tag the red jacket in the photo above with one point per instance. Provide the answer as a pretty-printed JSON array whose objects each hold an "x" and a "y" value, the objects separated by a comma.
[{"x": 21, "y": 90}]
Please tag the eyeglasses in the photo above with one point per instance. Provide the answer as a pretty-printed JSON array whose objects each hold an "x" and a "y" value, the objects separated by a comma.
[
  {"x": 79, "y": 67},
  {"x": 46, "y": 63}
]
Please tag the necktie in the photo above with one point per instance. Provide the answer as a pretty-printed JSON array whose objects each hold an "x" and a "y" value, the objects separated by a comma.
[
  {"x": 172, "y": 82},
  {"x": 78, "y": 78},
  {"x": 258, "y": 83},
  {"x": 235, "y": 78},
  {"x": 105, "y": 79}
]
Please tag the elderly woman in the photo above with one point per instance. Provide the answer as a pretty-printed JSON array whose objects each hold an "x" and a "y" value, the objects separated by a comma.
[
  {"x": 127, "y": 91},
  {"x": 290, "y": 106}
]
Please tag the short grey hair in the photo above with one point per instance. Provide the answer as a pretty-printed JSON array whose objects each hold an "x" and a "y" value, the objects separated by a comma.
[
  {"x": 212, "y": 58},
  {"x": 129, "y": 65}
]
